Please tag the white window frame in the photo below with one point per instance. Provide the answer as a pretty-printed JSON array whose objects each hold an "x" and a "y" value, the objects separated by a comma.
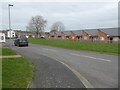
[
  {"x": 102, "y": 38},
  {"x": 85, "y": 38},
  {"x": 116, "y": 39}
]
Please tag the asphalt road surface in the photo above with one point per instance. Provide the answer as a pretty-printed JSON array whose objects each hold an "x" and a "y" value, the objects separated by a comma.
[{"x": 58, "y": 67}]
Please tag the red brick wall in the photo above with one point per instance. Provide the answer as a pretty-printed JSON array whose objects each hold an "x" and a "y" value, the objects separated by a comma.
[
  {"x": 73, "y": 35},
  {"x": 63, "y": 35},
  {"x": 84, "y": 34},
  {"x": 102, "y": 34},
  {"x": 48, "y": 35},
  {"x": 55, "y": 35}
]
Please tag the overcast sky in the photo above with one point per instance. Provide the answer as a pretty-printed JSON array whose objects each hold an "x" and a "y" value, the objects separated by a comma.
[{"x": 74, "y": 15}]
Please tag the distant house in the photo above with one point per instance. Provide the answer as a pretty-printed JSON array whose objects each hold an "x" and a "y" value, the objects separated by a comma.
[
  {"x": 109, "y": 35},
  {"x": 65, "y": 34},
  {"x": 57, "y": 34},
  {"x": 11, "y": 34},
  {"x": 76, "y": 34},
  {"x": 90, "y": 35},
  {"x": 51, "y": 34},
  {"x": 2, "y": 37},
  {"x": 85, "y": 36}
]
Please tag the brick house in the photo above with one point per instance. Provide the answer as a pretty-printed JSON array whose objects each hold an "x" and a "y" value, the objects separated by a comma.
[
  {"x": 57, "y": 34},
  {"x": 85, "y": 36},
  {"x": 76, "y": 35},
  {"x": 48, "y": 35},
  {"x": 65, "y": 34},
  {"x": 51, "y": 34},
  {"x": 90, "y": 35},
  {"x": 109, "y": 35}
]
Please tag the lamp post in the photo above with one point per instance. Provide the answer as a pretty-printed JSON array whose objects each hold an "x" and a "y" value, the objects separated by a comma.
[
  {"x": 9, "y": 16},
  {"x": 9, "y": 5}
]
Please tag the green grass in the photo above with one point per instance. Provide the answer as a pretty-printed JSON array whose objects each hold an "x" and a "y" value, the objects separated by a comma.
[
  {"x": 16, "y": 72},
  {"x": 7, "y": 51},
  {"x": 85, "y": 46}
]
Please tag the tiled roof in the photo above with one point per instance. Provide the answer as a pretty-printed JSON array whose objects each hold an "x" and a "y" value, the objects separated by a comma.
[
  {"x": 111, "y": 31},
  {"x": 67, "y": 33},
  {"x": 92, "y": 32},
  {"x": 52, "y": 33},
  {"x": 58, "y": 33},
  {"x": 77, "y": 32}
]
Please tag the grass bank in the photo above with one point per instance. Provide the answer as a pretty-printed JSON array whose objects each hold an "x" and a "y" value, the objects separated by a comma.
[
  {"x": 85, "y": 46},
  {"x": 7, "y": 51},
  {"x": 16, "y": 72}
]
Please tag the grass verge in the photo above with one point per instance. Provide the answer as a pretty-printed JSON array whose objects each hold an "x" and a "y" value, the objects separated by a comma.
[
  {"x": 16, "y": 72},
  {"x": 85, "y": 46},
  {"x": 7, "y": 51}
]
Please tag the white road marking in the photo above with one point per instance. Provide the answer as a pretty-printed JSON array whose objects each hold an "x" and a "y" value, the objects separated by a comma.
[
  {"x": 85, "y": 82},
  {"x": 90, "y": 57},
  {"x": 50, "y": 50}
]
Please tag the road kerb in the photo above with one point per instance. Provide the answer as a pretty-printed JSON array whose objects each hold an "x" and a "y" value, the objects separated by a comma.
[{"x": 12, "y": 56}]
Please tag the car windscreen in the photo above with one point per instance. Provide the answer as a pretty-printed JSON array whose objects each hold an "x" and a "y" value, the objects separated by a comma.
[{"x": 23, "y": 39}]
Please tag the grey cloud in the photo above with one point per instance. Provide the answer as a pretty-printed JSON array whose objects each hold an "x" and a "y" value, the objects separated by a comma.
[{"x": 74, "y": 15}]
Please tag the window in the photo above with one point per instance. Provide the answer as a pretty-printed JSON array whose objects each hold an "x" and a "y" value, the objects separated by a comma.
[
  {"x": 85, "y": 38},
  {"x": 2, "y": 38},
  {"x": 102, "y": 38},
  {"x": 63, "y": 38},
  {"x": 72, "y": 37},
  {"x": 115, "y": 39}
]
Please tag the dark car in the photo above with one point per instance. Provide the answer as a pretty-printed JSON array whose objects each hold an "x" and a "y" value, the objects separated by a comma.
[{"x": 21, "y": 42}]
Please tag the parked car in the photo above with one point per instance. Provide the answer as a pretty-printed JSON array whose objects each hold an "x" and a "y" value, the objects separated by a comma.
[{"x": 22, "y": 41}]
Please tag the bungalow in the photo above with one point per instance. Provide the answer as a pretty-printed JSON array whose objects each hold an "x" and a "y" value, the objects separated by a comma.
[
  {"x": 51, "y": 34},
  {"x": 90, "y": 35},
  {"x": 57, "y": 34},
  {"x": 76, "y": 34},
  {"x": 109, "y": 35},
  {"x": 65, "y": 34}
]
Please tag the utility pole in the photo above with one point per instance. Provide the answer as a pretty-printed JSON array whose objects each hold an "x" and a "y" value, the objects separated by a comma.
[
  {"x": 9, "y": 5},
  {"x": 9, "y": 16}
]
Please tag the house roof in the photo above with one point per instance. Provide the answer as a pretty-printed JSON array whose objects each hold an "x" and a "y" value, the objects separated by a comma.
[
  {"x": 67, "y": 33},
  {"x": 52, "y": 33},
  {"x": 58, "y": 33},
  {"x": 111, "y": 31},
  {"x": 77, "y": 32},
  {"x": 92, "y": 32}
]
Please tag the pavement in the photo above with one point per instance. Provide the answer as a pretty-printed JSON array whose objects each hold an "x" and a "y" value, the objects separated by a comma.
[
  {"x": 58, "y": 67},
  {"x": 12, "y": 56}
]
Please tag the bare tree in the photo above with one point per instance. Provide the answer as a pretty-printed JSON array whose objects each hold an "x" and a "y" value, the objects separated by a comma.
[
  {"x": 37, "y": 25},
  {"x": 58, "y": 26}
]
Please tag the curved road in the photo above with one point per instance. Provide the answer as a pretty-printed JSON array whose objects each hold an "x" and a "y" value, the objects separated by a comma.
[{"x": 71, "y": 68}]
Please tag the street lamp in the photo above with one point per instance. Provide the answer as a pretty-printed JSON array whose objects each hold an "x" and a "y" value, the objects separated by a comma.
[
  {"x": 9, "y": 5},
  {"x": 9, "y": 16}
]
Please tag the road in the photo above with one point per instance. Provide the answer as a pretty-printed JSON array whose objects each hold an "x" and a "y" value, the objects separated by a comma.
[{"x": 71, "y": 68}]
